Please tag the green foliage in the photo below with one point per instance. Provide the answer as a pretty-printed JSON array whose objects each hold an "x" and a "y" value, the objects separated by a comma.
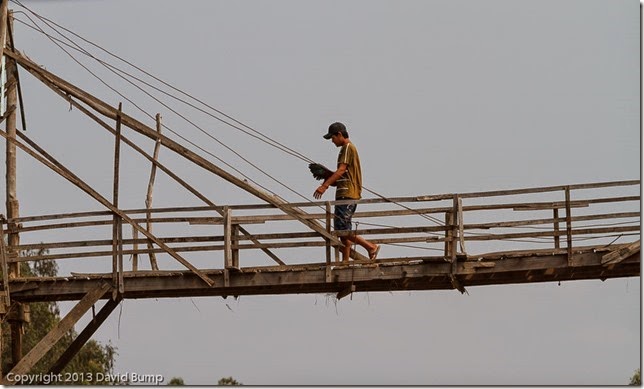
[
  {"x": 176, "y": 381},
  {"x": 228, "y": 381},
  {"x": 93, "y": 357},
  {"x": 636, "y": 379}
]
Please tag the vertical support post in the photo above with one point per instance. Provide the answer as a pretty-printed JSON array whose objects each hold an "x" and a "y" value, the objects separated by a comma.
[
  {"x": 555, "y": 215},
  {"x": 235, "y": 245},
  {"x": 148, "y": 197},
  {"x": 6, "y": 301},
  {"x": 328, "y": 243},
  {"x": 568, "y": 225},
  {"x": 461, "y": 232},
  {"x": 454, "y": 232},
  {"x": 117, "y": 253},
  {"x": 135, "y": 247},
  {"x": 16, "y": 318},
  {"x": 449, "y": 216},
  {"x": 228, "y": 255}
]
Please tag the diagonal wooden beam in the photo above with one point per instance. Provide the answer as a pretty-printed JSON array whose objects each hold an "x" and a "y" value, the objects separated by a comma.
[
  {"x": 56, "y": 166},
  {"x": 105, "y": 109},
  {"x": 49, "y": 340},
  {"x": 84, "y": 336},
  {"x": 621, "y": 254}
]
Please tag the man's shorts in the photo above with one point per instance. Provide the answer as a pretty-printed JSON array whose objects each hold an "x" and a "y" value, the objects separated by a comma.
[{"x": 343, "y": 214}]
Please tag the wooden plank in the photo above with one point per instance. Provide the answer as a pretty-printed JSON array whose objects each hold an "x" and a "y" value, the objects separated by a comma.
[
  {"x": 620, "y": 254},
  {"x": 49, "y": 340}
]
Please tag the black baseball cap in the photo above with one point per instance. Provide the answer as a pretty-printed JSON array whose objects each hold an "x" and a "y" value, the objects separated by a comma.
[{"x": 334, "y": 129}]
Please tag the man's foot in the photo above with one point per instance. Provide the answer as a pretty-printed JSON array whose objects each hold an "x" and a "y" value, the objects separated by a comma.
[{"x": 374, "y": 253}]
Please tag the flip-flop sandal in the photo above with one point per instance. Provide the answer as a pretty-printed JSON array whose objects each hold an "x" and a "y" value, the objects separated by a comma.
[{"x": 373, "y": 255}]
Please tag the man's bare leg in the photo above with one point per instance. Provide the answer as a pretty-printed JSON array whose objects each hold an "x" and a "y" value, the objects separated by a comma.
[{"x": 369, "y": 246}]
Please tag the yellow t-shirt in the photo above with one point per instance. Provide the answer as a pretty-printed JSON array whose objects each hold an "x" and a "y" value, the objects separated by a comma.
[{"x": 349, "y": 186}]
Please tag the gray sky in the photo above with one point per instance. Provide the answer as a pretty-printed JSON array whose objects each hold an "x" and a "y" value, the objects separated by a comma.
[{"x": 439, "y": 97}]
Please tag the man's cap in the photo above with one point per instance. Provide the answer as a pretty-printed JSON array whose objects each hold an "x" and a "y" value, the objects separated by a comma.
[{"x": 334, "y": 129}]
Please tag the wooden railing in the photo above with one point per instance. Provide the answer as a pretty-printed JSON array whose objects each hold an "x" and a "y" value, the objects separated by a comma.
[{"x": 442, "y": 227}]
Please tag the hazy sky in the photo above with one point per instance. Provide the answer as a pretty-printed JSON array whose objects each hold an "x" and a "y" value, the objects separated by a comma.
[{"x": 440, "y": 97}]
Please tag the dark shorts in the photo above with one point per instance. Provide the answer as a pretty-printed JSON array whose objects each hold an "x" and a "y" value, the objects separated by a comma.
[{"x": 343, "y": 214}]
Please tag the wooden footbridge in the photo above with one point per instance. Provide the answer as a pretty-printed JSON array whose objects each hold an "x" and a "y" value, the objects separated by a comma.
[{"x": 431, "y": 241}]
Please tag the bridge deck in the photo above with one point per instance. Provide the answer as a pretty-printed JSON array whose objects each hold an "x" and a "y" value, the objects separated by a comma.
[{"x": 421, "y": 273}]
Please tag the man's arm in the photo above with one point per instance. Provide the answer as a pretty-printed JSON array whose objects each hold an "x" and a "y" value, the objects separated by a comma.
[{"x": 342, "y": 168}]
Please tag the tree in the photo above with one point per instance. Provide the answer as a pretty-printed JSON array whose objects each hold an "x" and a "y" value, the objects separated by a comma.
[
  {"x": 176, "y": 381},
  {"x": 228, "y": 381},
  {"x": 92, "y": 359},
  {"x": 636, "y": 379}
]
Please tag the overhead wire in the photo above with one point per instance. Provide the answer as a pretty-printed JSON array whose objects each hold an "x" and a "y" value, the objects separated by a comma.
[
  {"x": 178, "y": 114},
  {"x": 240, "y": 126}
]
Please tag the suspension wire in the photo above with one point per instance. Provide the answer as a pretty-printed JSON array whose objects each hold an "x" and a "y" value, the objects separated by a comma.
[{"x": 263, "y": 138}]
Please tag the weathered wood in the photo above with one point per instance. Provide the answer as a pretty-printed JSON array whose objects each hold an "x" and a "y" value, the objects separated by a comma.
[
  {"x": 148, "y": 198},
  {"x": 116, "y": 230},
  {"x": 568, "y": 223},
  {"x": 228, "y": 253},
  {"x": 13, "y": 208},
  {"x": 84, "y": 336},
  {"x": 6, "y": 300},
  {"x": 135, "y": 248},
  {"x": 620, "y": 254},
  {"x": 312, "y": 278},
  {"x": 49, "y": 340},
  {"x": 555, "y": 213}
]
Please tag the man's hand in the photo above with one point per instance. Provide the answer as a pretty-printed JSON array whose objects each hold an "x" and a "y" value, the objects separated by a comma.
[{"x": 320, "y": 191}]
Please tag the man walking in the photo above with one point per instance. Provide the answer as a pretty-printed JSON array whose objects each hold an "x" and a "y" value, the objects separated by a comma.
[{"x": 348, "y": 181}]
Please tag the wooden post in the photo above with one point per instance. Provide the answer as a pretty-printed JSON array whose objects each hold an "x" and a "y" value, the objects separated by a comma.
[
  {"x": 117, "y": 252},
  {"x": 449, "y": 216},
  {"x": 568, "y": 225},
  {"x": 148, "y": 197},
  {"x": 228, "y": 254},
  {"x": 5, "y": 278},
  {"x": 555, "y": 215},
  {"x": 454, "y": 236},
  {"x": 461, "y": 232},
  {"x": 235, "y": 244},
  {"x": 135, "y": 248},
  {"x": 16, "y": 318}
]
